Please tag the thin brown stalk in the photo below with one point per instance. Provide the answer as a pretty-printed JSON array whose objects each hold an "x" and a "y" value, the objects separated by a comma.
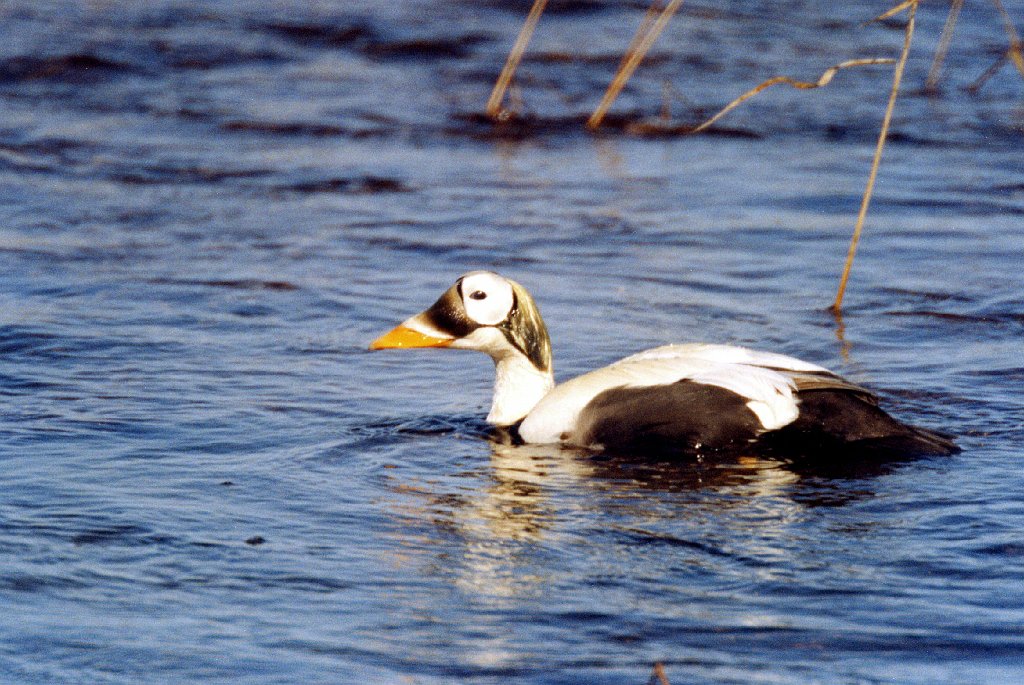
[
  {"x": 932, "y": 82},
  {"x": 824, "y": 80},
  {"x": 1014, "y": 51},
  {"x": 893, "y": 11},
  {"x": 1017, "y": 55},
  {"x": 883, "y": 134},
  {"x": 976, "y": 85},
  {"x": 650, "y": 15},
  {"x": 658, "y": 676},
  {"x": 641, "y": 43},
  {"x": 514, "y": 56}
]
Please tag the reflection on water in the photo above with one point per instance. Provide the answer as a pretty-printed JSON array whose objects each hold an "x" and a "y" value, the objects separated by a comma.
[
  {"x": 513, "y": 505},
  {"x": 529, "y": 500},
  {"x": 500, "y": 522}
]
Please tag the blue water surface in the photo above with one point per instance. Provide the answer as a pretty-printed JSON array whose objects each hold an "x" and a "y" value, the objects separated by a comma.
[{"x": 207, "y": 211}]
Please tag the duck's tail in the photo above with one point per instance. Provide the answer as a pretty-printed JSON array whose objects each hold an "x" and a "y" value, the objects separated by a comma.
[
  {"x": 854, "y": 419},
  {"x": 914, "y": 440}
]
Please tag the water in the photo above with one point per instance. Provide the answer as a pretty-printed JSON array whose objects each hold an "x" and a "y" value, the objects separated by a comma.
[{"x": 208, "y": 210}]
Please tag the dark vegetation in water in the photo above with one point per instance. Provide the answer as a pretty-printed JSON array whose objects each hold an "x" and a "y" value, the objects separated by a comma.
[
  {"x": 362, "y": 37},
  {"x": 337, "y": 33},
  {"x": 365, "y": 184},
  {"x": 287, "y": 128},
  {"x": 241, "y": 284},
  {"x": 74, "y": 68}
]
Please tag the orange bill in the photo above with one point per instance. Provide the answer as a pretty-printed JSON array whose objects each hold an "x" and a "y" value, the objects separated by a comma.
[{"x": 401, "y": 336}]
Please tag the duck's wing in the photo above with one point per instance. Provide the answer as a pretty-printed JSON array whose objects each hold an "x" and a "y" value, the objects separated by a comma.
[
  {"x": 729, "y": 359},
  {"x": 805, "y": 381},
  {"x": 678, "y": 417},
  {"x": 687, "y": 382}
]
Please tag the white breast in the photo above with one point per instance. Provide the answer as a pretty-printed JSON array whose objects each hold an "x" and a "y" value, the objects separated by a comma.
[{"x": 758, "y": 376}]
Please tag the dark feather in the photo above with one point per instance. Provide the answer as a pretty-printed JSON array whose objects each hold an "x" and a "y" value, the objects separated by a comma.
[
  {"x": 852, "y": 421},
  {"x": 525, "y": 330},
  {"x": 448, "y": 314},
  {"x": 681, "y": 417}
]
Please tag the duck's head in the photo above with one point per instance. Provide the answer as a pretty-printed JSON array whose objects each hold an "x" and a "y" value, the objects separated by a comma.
[{"x": 481, "y": 311}]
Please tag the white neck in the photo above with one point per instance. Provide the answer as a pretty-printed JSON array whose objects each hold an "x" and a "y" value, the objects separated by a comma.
[{"x": 518, "y": 387}]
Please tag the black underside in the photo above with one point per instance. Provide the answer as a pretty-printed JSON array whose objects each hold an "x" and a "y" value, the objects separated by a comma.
[{"x": 694, "y": 418}]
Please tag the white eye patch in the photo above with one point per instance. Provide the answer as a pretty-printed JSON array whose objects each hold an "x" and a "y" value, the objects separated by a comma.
[{"x": 487, "y": 297}]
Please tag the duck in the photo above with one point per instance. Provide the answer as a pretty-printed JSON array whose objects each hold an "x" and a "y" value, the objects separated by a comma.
[{"x": 690, "y": 398}]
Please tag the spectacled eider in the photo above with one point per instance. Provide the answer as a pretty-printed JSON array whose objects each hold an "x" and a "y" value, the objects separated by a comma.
[{"x": 690, "y": 398}]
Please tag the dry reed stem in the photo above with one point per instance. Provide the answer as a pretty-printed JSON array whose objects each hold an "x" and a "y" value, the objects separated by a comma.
[
  {"x": 641, "y": 43},
  {"x": 976, "y": 85},
  {"x": 824, "y": 80},
  {"x": 893, "y": 11},
  {"x": 650, "y": 15},
  {"x": 931, "y": 83},
  {"x": 1017, "y": 56},
  {"x": 882, "y": 135},
  {"x": 1014, "y": 51},
  {"x": 658, "y": 676},
  {"x": 514, "y": 56}
]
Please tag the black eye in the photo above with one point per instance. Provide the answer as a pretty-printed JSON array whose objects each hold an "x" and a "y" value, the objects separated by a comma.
[{"x": 478, "y": 295}]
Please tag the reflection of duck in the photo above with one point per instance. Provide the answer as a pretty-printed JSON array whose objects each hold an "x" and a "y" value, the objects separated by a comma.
[{"x": 677, "y": 398}]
